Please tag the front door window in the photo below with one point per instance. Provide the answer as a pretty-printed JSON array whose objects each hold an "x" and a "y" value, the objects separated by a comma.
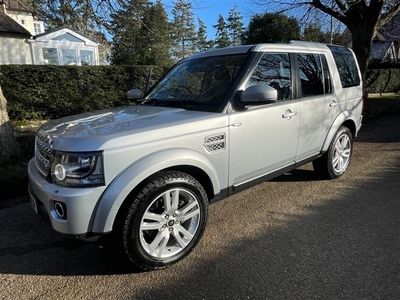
[{"x": 274, "y": 70}]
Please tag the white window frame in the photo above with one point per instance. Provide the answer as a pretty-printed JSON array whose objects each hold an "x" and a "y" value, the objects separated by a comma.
[
  {"x": 47, "y": 41},
  {"x": 77, "y": 54},
  {"x": 50, "y": 47},
  {"x": 37, "y": 25}
]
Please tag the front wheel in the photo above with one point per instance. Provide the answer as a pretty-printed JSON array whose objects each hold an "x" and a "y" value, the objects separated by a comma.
[
  {"x": 165, "y": 220},
  {"x": 336, "y": 160}
]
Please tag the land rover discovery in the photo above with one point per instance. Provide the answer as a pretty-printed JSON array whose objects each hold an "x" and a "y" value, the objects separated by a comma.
[{"x": 218, "y": 122}]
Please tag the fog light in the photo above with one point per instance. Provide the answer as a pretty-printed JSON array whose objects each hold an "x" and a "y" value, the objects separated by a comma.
[
  {"x": 59, "y": 172},
  {"x": 60, "y": 209}
]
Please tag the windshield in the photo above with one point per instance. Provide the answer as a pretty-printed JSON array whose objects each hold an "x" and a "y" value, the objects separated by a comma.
[{"x": 199, "y": 84}]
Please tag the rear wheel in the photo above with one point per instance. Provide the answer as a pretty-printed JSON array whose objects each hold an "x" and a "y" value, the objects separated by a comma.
[
  {"x": 165, "y": 220},
  {"x": 336, "y": 160}
]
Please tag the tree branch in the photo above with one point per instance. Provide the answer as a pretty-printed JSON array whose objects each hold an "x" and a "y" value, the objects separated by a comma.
[
  {"x": 394, "y": 10},
  {"x": 341, "y": 6},
  {"x": 337, "y": 15}
]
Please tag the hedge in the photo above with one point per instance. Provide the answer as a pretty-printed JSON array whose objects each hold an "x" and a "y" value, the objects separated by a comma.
[
  {"x": 383, "y": 80},
  {"x": 41, "y": 92}
]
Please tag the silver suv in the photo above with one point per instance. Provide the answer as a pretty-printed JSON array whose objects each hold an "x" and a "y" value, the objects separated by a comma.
[{"x": 215, "y": 124}]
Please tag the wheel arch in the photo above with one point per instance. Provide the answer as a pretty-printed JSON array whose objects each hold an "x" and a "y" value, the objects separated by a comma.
[
  {"x": 351, "y": 125},
  {"x": 119, "y": 192},
  {"x": 344, "y": 119}
]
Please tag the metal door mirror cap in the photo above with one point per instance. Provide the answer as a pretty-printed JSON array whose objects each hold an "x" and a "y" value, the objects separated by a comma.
[
  {"x": 259, "y": 94},
  {"x": 134, "y": 94}
]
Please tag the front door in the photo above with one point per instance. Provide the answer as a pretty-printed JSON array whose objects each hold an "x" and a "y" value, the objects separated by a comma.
[{"x": 264, "y": 138}]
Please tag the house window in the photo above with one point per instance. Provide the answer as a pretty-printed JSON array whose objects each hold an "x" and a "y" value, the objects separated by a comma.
[
  {"x": 23, "y": 21},
  {"x": 67, "y": 37},
  {"x": 50, "y": 56},
  {"x": 37, "y": 27},
  {"x": 86, "y": 57},
  {"x": 69, "y": 57}
]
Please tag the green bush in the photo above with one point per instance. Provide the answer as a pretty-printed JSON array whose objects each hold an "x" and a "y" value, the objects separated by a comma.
[
  {"x": 383, "y": 80},
  {"x": 40, "y": 92}
]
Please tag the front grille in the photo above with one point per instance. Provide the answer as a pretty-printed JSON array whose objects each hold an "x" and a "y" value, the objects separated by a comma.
[
  {"x": 215, "y": 142},
  {"x": 43, "y": 153}
]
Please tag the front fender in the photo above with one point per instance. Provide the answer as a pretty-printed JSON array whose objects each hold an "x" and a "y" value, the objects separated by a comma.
[
  {"x": 116, "y": 193},
  {"x": 343, "y": 117}
]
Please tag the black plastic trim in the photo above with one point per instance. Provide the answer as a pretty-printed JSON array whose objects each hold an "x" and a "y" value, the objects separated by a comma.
[{"x": 236, "y": 189}]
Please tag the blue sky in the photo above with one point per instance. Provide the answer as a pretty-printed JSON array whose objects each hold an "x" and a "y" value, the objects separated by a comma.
[{"x": 208, "y": 11}]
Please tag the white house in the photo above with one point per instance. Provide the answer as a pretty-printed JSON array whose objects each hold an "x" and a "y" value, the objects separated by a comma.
[
  {"x": 22, "y": 13},
  {"x": 63, "y": 47},
  {"x": 23, "y": 40}
]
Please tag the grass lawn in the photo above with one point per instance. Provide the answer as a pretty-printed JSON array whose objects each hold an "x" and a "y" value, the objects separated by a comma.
[
  {"x": 385, "y": 96},
  {"x": 378, "y": 105}
]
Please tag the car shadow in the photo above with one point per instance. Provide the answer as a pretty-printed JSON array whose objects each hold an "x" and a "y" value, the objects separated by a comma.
[
  {"x": 380, "y": 130},
  {"x": 301, "y": 174}
]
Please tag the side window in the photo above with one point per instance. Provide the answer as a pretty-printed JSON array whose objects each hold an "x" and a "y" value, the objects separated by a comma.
[
  {"x": 327, "y": 76},
  {"x": 311, "y": 77},
  {"x": 346, "y": 66},
  {"x": 274, "y": 70}
]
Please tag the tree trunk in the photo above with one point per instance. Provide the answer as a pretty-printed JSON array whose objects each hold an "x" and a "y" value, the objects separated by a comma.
[
  {"x": 361, "y": 45},
  {"x": 362, "y": 36},
  {"x": 8, "y": 144},
  {"x": 362, "y": 20}
]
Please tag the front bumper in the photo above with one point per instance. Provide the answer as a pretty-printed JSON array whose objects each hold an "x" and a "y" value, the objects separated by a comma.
[{"x": 80, "y": 203}]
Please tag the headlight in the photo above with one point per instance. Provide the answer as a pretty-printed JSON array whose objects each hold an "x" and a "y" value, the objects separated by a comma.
[{"x": 78, "y": 169}]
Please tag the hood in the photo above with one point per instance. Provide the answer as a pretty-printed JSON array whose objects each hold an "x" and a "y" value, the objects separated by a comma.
[{"x": 115, "y": 128}]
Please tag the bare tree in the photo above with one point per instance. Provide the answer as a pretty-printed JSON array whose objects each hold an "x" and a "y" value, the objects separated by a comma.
[
  {"x": 362, "y": 18},
  {"x": 8, "y": 144}
]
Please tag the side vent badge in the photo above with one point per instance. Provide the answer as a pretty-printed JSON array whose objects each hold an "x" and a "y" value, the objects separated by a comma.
[{"x": 215, "y": 143}]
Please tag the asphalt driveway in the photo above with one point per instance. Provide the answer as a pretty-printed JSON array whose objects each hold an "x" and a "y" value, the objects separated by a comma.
[{"x": 293, "y": 237}]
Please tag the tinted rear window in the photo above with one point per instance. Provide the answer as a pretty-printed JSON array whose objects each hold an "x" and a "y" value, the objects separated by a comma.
[
  {"x": 311, "y": 77},
  {"x": 346, "y": 66}
]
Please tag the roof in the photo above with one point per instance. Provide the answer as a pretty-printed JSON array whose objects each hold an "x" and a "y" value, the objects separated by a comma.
[
  {"x": 18, "y": 5},
  {"x": 61, "y": 28},
  {"x": 391, "y": 30},
  {"x": 9, "y": 25},
  {"x": 52, "y": 34},
  {"x": 293, "y": 45},
  {"x": 223, "y": 51},
  {"x": 379, "y": 49}
]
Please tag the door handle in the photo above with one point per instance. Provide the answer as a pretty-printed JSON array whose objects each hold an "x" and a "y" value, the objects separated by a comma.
[
  {"x": 288, "y": 114},
  {"x": 333, "y": 103}
]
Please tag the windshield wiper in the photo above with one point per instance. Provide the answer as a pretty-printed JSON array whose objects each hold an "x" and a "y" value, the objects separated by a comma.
[{"x": 172, "y": 103}]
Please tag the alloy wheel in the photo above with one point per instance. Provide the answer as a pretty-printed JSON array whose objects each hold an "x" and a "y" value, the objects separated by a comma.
[
  {"x": 341, "y": 156},
  {"x": 169, "y": 223}
]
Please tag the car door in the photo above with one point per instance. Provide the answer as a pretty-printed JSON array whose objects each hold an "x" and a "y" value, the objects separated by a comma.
[
  {"x": 319, "y": 107},
  {"x": 264, "y": 138}
]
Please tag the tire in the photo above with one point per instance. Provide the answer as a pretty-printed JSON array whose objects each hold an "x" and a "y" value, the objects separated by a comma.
[
  {"x": 165, "y": 220},
  {"x": 335, "y": 162}
]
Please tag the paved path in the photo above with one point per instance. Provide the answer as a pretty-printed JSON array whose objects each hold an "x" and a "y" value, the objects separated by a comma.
[{"x": 294, "y": 237}]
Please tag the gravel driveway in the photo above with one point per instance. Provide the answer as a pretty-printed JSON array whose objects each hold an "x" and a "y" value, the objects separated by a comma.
[{"x": 293, "y": 237}]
